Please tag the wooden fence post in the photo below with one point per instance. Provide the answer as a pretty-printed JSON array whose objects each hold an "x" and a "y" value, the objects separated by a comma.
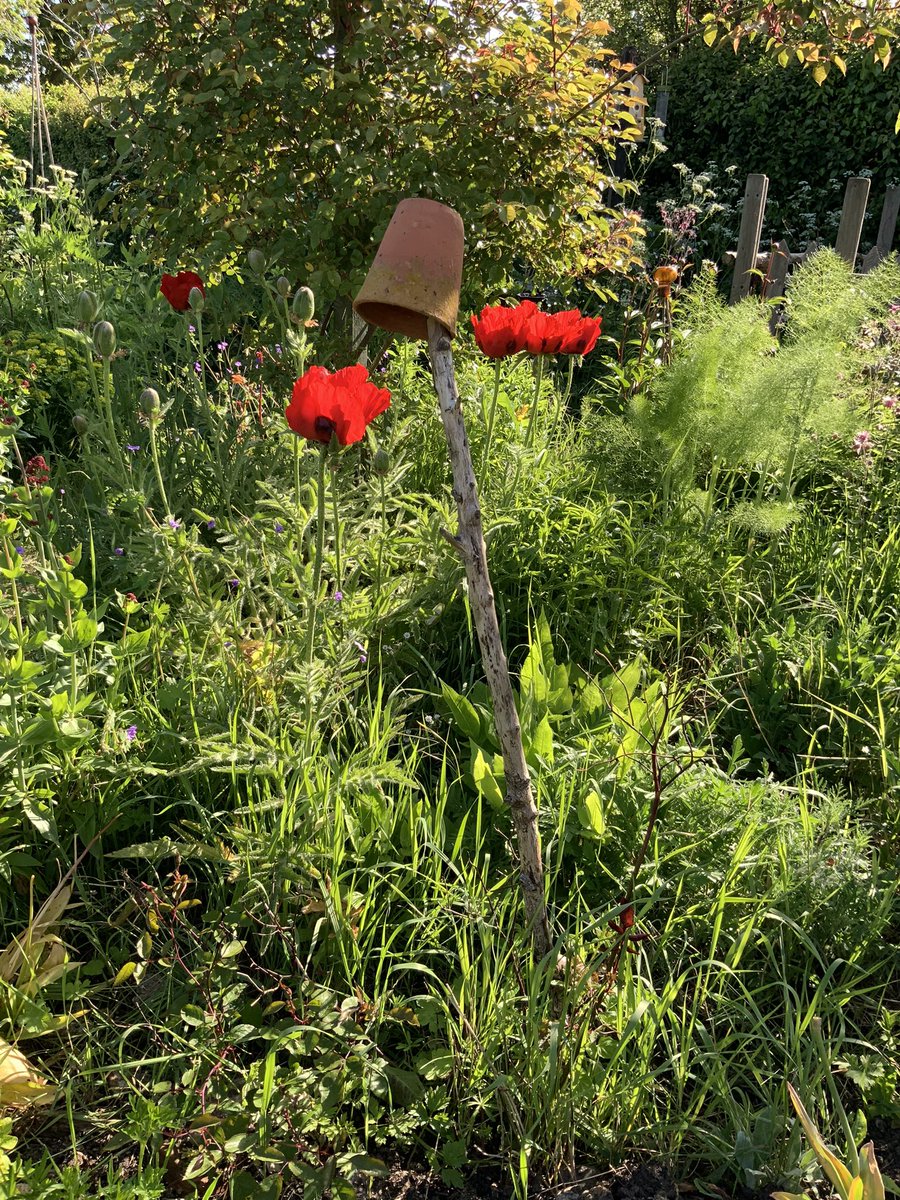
[
  {"x": 777, "y": 272},
  {"x": 887, "y": 227},
  {"x": 853, "y": 214},
  {"x": 751, "y": 230}
]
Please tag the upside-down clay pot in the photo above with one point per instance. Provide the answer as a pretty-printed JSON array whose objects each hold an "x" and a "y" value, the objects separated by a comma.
[{"x": 417, "y": 270}]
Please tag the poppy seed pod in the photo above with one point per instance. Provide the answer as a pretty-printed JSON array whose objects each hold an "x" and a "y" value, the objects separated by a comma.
[
  {"x": 283, "y": 287},
  {"x": 196, "y": 300},
  {"x": 256, "y": 261},
  {"x": 104, "y": 339},
  {"x": 303, "y": 305},
  {"x": 80, "y": 424},
  {"x": 150, "y": 401},
  {"x": 86, "y": 307}
]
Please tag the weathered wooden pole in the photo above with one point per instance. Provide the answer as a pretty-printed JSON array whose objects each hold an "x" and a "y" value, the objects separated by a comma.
[
  {"x": 856, "y": 197},
  {"x": 413, "y": 288},
  {"x": 755, "y": 196},
  {"x": 470, "y": 541}
]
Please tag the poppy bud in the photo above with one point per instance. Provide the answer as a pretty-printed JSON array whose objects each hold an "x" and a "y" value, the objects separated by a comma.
[
  {"x": 150, "y": 401},
  {"x": 283, "y": 287},
  {"x": 381, "y": 463},
  {"x": 196, "y": 300},
  {"x": 80, "y": 424},
  {"x": 86, "y": 307},
  {"x": 304, "y": 304},
  {"x": 256, "y": 261},
  {"x": 104, "y": 339}
]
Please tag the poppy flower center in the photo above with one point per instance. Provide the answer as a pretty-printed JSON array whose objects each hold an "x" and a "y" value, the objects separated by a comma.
[{"x": 325, "y": 425}]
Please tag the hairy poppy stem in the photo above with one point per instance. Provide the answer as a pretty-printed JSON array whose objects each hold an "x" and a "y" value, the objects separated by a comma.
[
  {"x": 532, "y": 416},
  {"x": 470, "y": 542},
  {"x": 335, "y": 451},
  {"x": 492, "y": 412},
  {"x": 320, "y": 551}
]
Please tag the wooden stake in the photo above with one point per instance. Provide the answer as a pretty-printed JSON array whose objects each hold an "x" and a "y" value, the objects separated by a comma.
[
  {"x": 886, "y": 229},
  {"x": 755, "y": 195},
  {"x": 856, "y": 197},
  {"x": 777, "y": 270},
  {"x": 470, "y": 543}
]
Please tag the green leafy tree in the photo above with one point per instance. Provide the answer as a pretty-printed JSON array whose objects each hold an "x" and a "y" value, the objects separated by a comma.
[
  {"x": 71, "y": 39},
  {"x": 819, "y": 34},
  {"x": 295, "y": 126}
]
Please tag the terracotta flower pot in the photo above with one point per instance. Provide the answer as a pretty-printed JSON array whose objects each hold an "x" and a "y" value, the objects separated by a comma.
[{"x": 417, "y": 271}]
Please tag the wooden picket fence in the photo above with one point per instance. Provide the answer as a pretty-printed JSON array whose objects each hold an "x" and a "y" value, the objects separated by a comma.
[{"x": 751, "y": 261}]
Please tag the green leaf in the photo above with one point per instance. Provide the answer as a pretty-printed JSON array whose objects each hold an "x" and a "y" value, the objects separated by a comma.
[
  {"x": 463, "y": 714},
  {"x": 485, "y": 782},
  {"x": 590, "y": 813},
  {"x": 436, "y": 1066},
  {"x": 831, "y": 1165},
  {"x": 362, "y": 1164},
  {"x": 239, "y": 1142},
  {"x": 124, "y": 973},
  {"x": 541, "y": 744}
]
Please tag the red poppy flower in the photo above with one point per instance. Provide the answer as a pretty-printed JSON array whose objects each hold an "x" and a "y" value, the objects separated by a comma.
[
  {"x": 581, "y": 335},
  {"x": 342, "y": 404},
  {"x": 177, "y": 288},
  {"x": 562, "y": 333},
  {"x": 501, "y": 331}
]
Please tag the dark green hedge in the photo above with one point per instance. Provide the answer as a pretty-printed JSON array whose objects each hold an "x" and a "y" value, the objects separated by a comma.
[
  {"x": 746, "y": 110},
  {"x": 80, "y": 143}
]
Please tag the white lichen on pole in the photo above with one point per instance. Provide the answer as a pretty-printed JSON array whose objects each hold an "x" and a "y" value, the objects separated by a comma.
[{"x": 471, "y": 545}]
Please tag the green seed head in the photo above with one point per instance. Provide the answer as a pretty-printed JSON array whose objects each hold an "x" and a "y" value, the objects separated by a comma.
[
  {"x": 303, "y": 305},
  {"x": 150, "y": 401},
  {"x": 381, "y": 463},
  {"x": 80, "y": 424},
  {"x": 86, "y": 307},
  {"x": 256, "y": 261},
  {"x": 104, "y": 339},
  {"x": 283, "y": 287},
  {"x": 196, "y": 300}
]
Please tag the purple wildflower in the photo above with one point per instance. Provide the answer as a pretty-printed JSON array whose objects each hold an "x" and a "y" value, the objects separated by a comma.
[
  {"x": 131, "y": 732},
  {"x": 279, "y": 528},
  {"x": 233, "y": 584},
  {"x": 132, "y": 449},
  {"x": 338, "y": 597},
  {"x": 211, "y": 523},
  {"x": 118, "y": 551},
  {"x": 221, "y": 345},
  {"x": 198, "y": 368},
  {"x": 20, "y": 549},
  {"x": 862, "y": 442},
  {"x": 192, "y": 329},
  {"x": 174, "y": 523}
]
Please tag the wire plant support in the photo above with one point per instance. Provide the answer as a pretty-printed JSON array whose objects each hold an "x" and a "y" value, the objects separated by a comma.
[{"x": 40, "y": 160}]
